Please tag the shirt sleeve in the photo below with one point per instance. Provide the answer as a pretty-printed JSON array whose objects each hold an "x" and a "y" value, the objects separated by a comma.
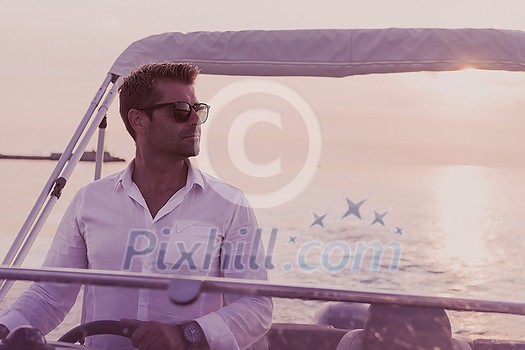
[
  {"x": 244, "y": 319},
  {"x": 44, "y": 305}
]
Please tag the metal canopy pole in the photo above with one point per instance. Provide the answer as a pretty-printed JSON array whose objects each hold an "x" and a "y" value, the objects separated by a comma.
[
  {"x": 89, "y": 133},
  {"x": 10, "y": 255},
  {"x": 24, "y": 240},
  {"x": 99, "y": 157}
]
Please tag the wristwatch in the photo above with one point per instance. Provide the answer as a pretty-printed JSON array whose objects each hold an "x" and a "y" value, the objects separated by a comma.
[{"x": 193, "y": 336}]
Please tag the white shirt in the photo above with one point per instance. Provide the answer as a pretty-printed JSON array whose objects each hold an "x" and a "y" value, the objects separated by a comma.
[{"x": 108, "y": 226}]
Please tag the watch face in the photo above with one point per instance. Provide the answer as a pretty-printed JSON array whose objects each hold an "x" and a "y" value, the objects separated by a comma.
[{"x": 192, "y": 334}]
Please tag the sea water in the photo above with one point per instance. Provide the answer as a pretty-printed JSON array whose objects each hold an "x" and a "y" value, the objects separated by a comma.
[{"x": 448, "y": 231}]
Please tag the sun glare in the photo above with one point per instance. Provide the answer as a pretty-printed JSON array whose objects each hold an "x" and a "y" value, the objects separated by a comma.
[
  {"x": 462, "y": 198},
  {"x": 469, "y": 83}
]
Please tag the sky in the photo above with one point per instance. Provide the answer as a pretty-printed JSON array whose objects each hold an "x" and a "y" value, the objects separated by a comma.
[{"x": 55, "y": 55}]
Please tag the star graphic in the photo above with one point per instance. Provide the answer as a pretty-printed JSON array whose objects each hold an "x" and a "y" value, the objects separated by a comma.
[
  {"x": 292, "y": 238},
  {"x": 353, "y": 208},
  {"x": 399, "y": 230},
  {"x": 379, "y": 218},
  {"x": 318, "y": 220}
]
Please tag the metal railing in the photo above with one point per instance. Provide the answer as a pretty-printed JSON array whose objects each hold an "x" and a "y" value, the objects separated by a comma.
[{"x": 184, "y": 289}]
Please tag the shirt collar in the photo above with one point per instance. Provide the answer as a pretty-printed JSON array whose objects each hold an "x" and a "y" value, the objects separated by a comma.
[
  {"x": 194, "y": 175},
  {"x": 124, "y": 178}
]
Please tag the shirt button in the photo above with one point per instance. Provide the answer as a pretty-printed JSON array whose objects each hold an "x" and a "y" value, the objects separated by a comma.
[
  {"x": 142, "y": 303},
  {"x": 147, "y": 266}
]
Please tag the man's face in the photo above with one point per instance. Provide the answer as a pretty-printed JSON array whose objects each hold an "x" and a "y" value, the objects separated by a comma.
[{"x": 165, "y": 135}]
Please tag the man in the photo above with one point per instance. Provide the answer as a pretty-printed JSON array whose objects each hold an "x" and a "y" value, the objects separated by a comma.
[{"x": 159, "y": 215}]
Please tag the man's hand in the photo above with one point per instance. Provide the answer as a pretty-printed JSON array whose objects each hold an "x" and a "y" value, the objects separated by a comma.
[
  {"x": 3, "y": 331},
  {"x": 152, "y": 335}
]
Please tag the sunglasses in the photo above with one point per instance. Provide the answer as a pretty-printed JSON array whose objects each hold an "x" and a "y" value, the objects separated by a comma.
[{"x": 182, "y": 110}]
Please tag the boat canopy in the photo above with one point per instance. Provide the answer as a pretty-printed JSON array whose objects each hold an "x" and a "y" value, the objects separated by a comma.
[{"x": 330, "y": 52}]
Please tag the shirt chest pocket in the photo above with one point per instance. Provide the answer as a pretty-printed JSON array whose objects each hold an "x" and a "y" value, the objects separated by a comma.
[{"x": 192, "y": 249}]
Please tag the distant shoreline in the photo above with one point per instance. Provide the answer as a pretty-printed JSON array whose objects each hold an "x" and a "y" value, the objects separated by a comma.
[{"x": 86, "y": 157}]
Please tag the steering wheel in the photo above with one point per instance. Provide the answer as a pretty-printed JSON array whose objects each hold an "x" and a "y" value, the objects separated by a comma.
[{"x": 79, "y": 333}]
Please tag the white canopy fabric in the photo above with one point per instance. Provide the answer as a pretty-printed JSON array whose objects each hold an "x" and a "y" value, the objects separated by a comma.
[{"x": 331, "y": 53}]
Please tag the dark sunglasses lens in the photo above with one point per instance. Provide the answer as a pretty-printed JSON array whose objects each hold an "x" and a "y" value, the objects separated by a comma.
[{"x": 182, "y": 111}]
